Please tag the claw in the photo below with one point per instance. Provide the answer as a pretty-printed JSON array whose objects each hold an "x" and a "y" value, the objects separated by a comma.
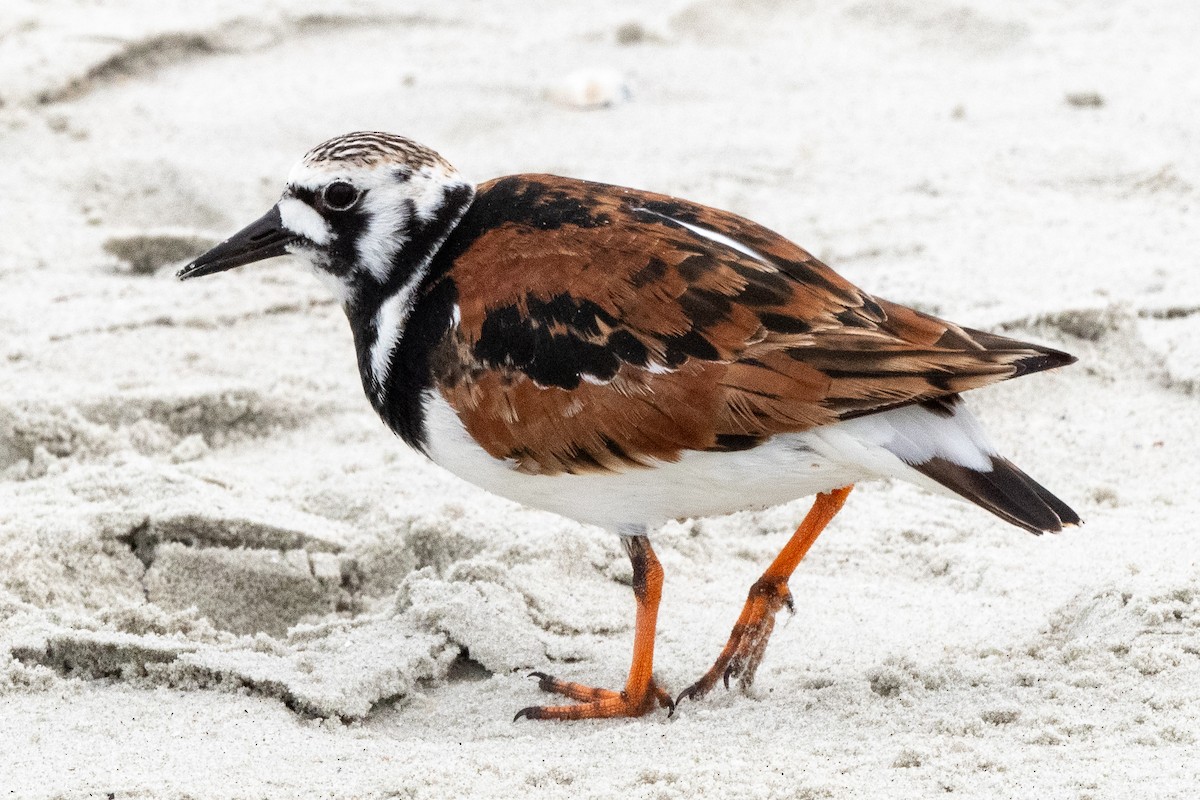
[
  {"x": 594, "y": 702},
  {"x": 743, "y": 652},
  {"x": 543, "y": 680},
  {"x": 641, "y": 694},
  {"x": 687, "y": 694}
]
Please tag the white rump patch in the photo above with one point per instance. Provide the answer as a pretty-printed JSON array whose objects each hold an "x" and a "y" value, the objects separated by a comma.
[
  {"x": 915, "y": 435},
  {"x": 301, "y": 219},
  {"x": 707, "y": 233}
]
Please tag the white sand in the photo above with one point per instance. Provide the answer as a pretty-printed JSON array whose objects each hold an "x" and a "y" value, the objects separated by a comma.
[{"x": 221, "y": 577}]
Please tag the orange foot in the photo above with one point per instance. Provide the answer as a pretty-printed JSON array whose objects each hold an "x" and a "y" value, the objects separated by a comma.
[
  {"x": 748, "y": 640},
  {"x": 596, "y": 703}
]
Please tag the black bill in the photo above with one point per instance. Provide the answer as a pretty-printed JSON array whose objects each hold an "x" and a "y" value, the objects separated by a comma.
[{"x": 264, "y": 238}]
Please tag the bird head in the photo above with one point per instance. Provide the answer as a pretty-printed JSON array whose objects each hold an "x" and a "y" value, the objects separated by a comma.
[{"x": 365, "y": 210}]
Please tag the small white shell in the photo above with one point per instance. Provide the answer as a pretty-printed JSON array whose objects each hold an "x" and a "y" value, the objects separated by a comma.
[{"x": 589, "y": 88}]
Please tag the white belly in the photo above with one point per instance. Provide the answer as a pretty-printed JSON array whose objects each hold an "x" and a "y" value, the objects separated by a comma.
[{"x": 699, "y": 484}]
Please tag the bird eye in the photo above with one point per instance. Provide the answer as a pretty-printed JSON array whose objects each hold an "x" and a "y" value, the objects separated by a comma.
[{"x": 339, "y": 196}]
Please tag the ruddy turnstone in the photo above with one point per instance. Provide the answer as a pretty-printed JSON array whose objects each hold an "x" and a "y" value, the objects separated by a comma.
[{"x": 624, "y": 358}]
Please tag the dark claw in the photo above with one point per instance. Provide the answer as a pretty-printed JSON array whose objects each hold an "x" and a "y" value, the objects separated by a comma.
[
  {"x": 529, "y": 712},
  {"x": 689, "y": 693},
  {"x": 727, "y": 675},
  {"x": 791, "y": 604},
  {"x": 545, "y": 682}
]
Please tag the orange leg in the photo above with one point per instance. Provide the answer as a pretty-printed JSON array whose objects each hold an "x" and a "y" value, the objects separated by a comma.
[
  {"x": 641, "y": 694},
  {"x": 748, "y": 641}
]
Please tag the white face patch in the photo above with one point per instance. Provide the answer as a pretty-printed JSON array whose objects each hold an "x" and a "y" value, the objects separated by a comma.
[
  {"x": 427, "y": 190},
  {"x": 301, "y": 219},
  {"x": 387, "y": 219},
  {"x": 388, "y": 199}
]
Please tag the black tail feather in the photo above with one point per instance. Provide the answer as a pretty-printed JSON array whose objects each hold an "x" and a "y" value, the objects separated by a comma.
[{"x": 1006, "y": 491}]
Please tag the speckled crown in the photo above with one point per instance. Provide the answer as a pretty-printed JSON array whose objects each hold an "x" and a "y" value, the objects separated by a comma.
[{"x": 369, "y": 148}]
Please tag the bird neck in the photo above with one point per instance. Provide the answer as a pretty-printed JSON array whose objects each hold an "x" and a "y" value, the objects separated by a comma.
[{"x": 397, "y": 322}]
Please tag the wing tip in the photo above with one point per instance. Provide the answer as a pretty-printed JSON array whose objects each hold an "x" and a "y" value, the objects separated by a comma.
[{"x": 1043, "y": 358}]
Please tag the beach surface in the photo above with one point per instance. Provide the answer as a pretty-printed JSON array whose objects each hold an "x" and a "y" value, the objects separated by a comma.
[{"x": 221, "y": 576}]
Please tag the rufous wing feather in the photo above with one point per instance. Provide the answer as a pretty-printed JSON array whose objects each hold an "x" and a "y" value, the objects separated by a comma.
[{"x": 677, "y": 327}]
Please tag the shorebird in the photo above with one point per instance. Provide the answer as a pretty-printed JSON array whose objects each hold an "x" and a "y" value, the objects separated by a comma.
[{"x": 625, "y": 358}]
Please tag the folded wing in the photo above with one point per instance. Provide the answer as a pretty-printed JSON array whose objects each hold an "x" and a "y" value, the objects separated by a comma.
[{"x": 680, "y": 327}]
